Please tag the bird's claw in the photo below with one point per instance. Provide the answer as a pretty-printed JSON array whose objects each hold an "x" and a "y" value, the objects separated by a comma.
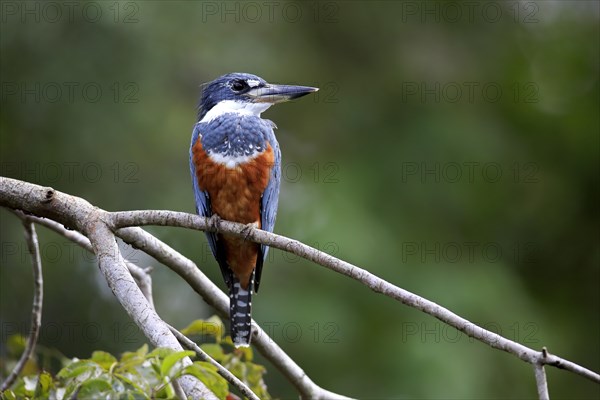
[
  {"x": 214, "y": 221},
  {"x": 247, "y": 230}
]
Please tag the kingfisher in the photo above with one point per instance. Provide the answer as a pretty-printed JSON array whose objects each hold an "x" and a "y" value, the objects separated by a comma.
[{"x": 235, "y": 163}]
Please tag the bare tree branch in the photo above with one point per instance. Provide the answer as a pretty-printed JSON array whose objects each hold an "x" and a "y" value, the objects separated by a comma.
[
  {"x": 561, "y": 363},
  {"x": 35, "y": 199},
  {"x": 185, "y": 220},
  {"x": 184, "y": 267},
  {"x": 38, "y": 297},
  {"x": 135, "y": 304},
  {"x": 43, "y": 202},
  {"x": 141, "y": 275},
  {"x": 540, "y": 377},
  {"x": 179, "y": 392},
  {"x": 541, "y": 382},
  {"x": 144, "y": 281},
  {"x": 91, "y": 221},
  {"x": 224, "y": 372}
]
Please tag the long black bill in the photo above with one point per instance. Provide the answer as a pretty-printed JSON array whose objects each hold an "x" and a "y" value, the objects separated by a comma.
[{"x": 279, "y": 93}]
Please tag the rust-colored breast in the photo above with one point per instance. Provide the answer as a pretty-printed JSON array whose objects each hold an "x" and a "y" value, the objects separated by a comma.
[{"x": 235, "y": 195}]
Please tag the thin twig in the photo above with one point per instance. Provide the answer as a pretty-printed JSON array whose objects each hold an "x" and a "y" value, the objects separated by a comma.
[
  {"x": 38, "y": 297},
  {"x": 74, "y": 212},
  {"x": 193, "y": 275},
  {"x": 112, "y": 266},
  {"x": 184, "y": 267},
  {"x": 179, "y": 392},
  {"x": 185, "y": 220},
  {"x": 141, "y": 275},
  {"x": 224, "y": 372}
]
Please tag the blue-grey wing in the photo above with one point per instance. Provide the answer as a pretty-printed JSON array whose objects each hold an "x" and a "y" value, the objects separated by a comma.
[{"x": 268, "y": 207}]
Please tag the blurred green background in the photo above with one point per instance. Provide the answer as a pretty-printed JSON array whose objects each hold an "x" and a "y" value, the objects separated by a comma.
[{"x": 452, "y": 150}]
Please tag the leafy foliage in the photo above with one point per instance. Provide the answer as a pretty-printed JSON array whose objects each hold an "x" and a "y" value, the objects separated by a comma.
[
  {"x": 141, "y": 374},
  {"x": 238, "y": 361}
]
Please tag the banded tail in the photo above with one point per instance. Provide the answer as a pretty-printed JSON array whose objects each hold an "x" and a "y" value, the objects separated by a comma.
[{"x": 240, "y": 309}]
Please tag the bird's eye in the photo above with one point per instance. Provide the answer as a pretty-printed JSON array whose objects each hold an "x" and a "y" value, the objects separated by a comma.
[{"x": 238, "y": 86}]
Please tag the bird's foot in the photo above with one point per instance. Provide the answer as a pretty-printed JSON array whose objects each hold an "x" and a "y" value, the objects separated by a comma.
[
  {"x": 214, "y": 221},
  {"x": 248, "y": 228}
]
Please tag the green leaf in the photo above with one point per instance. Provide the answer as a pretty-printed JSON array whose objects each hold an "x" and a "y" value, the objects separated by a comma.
[
  {"x": 227, "y": 340},
  {"x": 44, "y": 384},
  {"x": 155, "y": 365},
  {"x": 237, "y": 368},
  {"x": 130, "y": 360},
  {"x": 137, "y": 375},
  {"x": 207, "y": 373},
  {"x": 8, "y": 395},
  {"x": 94, "y": 387},
  {"x": 214, "y": 350},
  {"x": 218, "y": 323},
  {"x": 254, "y": 373},
  {"x": 211, "y": 327},
  {"x": 104, "y": 359},
  {"x": 134, "y": 355},
  {"x": 171, "y": 359},
  {"x": 16, "y": 344},
  {"x": 254, "y": 379},
  {"x": 160, "y": 352},
  {"x": 244, "y": 353},
  {"x": 77, "y": 368},
  {"x": 21, "y": 388},
  {"x": 136, "y": 384},
  {"x": 164, "y": 391}
]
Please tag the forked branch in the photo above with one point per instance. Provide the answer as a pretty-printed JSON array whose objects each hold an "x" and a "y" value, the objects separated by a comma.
[
  {"x": 71, "y": 211},
  {"x": 171, "y": 218}
]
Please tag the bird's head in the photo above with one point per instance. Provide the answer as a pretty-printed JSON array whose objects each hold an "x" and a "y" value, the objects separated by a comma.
[{"x": 244, "y": 94}]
